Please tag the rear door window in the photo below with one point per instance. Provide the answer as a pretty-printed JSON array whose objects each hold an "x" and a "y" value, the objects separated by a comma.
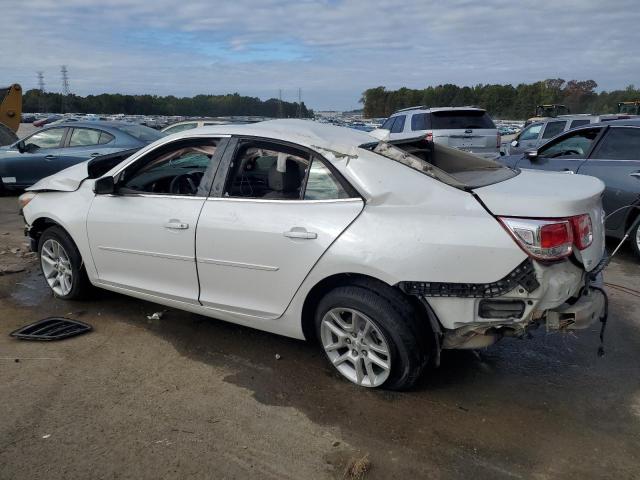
[
  {"x": 420, "y": 121},
  {"x": 461, "y": 120},
  {"x": 84, "y": 137},
  {"x": 553, "y": 128},
  {"x": 398, "y": 124},
  {"x": 619, "y": 144}
]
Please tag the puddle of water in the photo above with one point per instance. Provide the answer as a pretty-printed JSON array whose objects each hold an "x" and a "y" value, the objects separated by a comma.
[{"x": 32, "y": 290}]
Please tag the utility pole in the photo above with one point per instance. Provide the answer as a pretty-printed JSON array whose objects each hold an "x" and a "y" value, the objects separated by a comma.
[
  {"x": 299, "y": 112},
  {"x": 280, "y": 110},
  {"x": 41, "y": 88},
  {"x": 65, "y": 86}
]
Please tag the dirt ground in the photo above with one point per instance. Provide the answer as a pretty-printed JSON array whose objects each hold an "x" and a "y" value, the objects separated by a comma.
[{"x": 190, "y": 397}]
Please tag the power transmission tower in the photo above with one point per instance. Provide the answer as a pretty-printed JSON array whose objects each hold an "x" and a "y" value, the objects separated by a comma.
[
  {"x": 41, "y": 94},
  {"x": 280, "y": 109},
  {"x": 65, "y": 86}
]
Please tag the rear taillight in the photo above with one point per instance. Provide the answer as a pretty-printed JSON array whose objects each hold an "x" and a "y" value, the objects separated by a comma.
[
  {"x": 429, "y": 137},
  {"x": 498, "y": 140},
  {"x": 582, "y": 231},
  {"x": 550, "y": 239}
]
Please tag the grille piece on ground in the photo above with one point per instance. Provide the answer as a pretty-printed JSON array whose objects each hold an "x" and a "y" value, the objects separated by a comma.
[{"x": 52, "y": 328}]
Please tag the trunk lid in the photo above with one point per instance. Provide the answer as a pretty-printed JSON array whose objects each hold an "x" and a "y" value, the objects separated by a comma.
[{"x": 539, "y": 194}]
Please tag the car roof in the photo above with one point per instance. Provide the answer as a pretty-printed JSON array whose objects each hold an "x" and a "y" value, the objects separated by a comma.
[
  {"x": 93, "y": 123},
  {"x": 629, "y": 122},
  {"x": 306, "y": 133},
  {"x": 436, "y": 109}
]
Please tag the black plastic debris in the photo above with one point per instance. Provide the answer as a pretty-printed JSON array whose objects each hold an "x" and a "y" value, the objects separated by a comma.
[{"x": 52, "y": 328}]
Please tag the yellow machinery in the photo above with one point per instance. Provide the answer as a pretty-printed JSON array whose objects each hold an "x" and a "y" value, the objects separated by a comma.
[
  {"x": 10, "y": 113},
  {"x": 629, "y": 108}
]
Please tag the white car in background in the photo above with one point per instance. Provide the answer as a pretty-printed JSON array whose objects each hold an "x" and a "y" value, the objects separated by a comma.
[
  {"x": 385, "y": 253},
  {"x": 466, "y": 128}
]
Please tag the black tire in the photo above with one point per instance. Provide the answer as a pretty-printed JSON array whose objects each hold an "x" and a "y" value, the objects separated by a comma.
[
  {"x": 80, "y": 284},
  {"x": 398, "y": 321}
]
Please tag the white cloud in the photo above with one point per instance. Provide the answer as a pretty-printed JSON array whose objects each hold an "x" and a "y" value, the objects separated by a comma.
[{"x": 331, "y": 49}]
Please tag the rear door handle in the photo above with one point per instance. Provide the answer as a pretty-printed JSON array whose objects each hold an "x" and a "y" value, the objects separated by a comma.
[
  {"x": 50, "y": 157},
  {"x": 176, "y": 225},
  {"x": 635, "y": 174},
  {"x": 300, "y": 232},
  {"x": 95, "y": 154},
  {"x": 568, "y": 170}
]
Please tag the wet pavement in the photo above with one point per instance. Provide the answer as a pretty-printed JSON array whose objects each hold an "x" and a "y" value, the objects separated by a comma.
[{"x": 191, "y": 397}]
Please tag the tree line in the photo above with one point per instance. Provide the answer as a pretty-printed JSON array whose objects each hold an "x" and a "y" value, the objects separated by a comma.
[
  {"x": 501, "y": 101},
  {"x": 200, "y": 105}
]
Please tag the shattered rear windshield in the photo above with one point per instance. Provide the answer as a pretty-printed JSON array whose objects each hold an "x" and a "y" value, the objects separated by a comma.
[{"x": 449, "y": 165}]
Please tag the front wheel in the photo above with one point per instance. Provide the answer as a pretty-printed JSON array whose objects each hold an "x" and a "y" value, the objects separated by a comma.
[
  {"x": 369, "y": 338},
  {"x": 61, "y": 264}
]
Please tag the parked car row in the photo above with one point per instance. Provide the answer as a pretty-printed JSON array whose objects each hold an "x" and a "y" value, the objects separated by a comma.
[{"x": 384, "y": 251}]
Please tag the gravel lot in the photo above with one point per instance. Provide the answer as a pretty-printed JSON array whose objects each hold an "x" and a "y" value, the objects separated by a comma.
[{"x": 191, "y": 397}]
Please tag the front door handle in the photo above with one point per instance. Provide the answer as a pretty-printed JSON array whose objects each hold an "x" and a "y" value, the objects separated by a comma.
[
  {"x": 176, "y": 225},
  {"x": 300, "y": 232},
  {"x": 50, "y": 157},
  {"x": 568, "y": 170},
  {"x": 95, "y": 154},
  {"x": 635, "y": 174}
]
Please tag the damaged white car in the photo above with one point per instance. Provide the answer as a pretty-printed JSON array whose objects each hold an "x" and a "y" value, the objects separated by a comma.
[{"x": 384, "y": 252}]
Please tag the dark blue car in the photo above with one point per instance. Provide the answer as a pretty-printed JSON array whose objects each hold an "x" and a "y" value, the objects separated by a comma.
[
  {"x": 59, "y": 146},
  {"x": 609, "y": 151}
]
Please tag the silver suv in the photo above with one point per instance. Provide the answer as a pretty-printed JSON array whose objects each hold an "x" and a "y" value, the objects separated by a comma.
[{"x": 466, "y": 128}]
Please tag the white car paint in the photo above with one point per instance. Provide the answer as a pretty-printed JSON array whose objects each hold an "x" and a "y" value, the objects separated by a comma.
[{"x": 407, "y": 227}]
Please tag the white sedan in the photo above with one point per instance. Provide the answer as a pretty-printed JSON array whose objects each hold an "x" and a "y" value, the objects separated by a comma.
[{"x": 385, "y": 252}]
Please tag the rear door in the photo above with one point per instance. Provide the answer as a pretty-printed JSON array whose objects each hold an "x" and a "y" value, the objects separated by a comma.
[
  {"x": 553, "y": 128},
  {"x": 616, "y": 161},
  {"x": 277, "y": 208},
  {"x": 565, "y": 153},
  {"x": 470, "y": 130}
]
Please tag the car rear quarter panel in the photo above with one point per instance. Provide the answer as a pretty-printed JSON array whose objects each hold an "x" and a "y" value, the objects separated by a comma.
[{"x": 414, "y": 228}]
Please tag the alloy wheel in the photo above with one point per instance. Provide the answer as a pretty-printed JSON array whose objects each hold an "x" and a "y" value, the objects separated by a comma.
[
  {"x": 56, "y": 267},
  {"x": 355, "y": 346}
]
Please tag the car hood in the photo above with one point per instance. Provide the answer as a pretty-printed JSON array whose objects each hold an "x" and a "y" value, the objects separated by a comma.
[
  {"x": 540, "y": 194},
  {"x": 67, "y": 180}
]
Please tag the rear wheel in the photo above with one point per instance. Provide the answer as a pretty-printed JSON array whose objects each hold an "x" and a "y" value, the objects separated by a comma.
[
  {"x": 370, "y": 338},
  {"x": 62, "y": 265}
]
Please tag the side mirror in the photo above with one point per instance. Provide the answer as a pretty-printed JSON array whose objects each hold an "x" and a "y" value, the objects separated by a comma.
[
  {"x": 531, "y": 155},
  {"x": 21, "y": 146},
  {"x": 514, "y": 143},
  {"x": 104, "y": 186}
]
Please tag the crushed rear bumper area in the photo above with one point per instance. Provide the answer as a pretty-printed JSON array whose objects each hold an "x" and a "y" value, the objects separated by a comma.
[{"x": 591, "y": 306}]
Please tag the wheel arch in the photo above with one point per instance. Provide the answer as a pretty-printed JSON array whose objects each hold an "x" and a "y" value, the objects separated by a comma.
[{"x": 321, "y": 288}]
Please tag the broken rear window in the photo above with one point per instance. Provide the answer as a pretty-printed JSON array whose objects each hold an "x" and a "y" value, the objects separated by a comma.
[{"x": 449, "y": 165}]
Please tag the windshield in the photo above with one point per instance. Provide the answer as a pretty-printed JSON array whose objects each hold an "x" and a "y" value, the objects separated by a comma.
[
  {"x": 142, "y": 133},
  {"x": 448, "y": 165}
]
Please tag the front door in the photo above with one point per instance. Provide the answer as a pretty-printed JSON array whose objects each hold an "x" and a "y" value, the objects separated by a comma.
[
  {"x": 142, "y": 237},
  {"x": 563, "y": 154},
  {"x": 616, "y": 161},
  {"x": 280, "y": 209},
  {"x": 40, "y": 158}
]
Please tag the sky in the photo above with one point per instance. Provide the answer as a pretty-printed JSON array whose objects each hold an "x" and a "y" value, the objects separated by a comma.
[{"x": 332, "y": 49}]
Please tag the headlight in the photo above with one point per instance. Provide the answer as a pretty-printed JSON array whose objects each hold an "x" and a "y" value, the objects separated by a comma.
[{"x": 25, "y": 198}]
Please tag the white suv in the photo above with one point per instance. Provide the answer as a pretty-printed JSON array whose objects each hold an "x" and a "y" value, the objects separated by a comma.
[{"x": 466, "y": 128}]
